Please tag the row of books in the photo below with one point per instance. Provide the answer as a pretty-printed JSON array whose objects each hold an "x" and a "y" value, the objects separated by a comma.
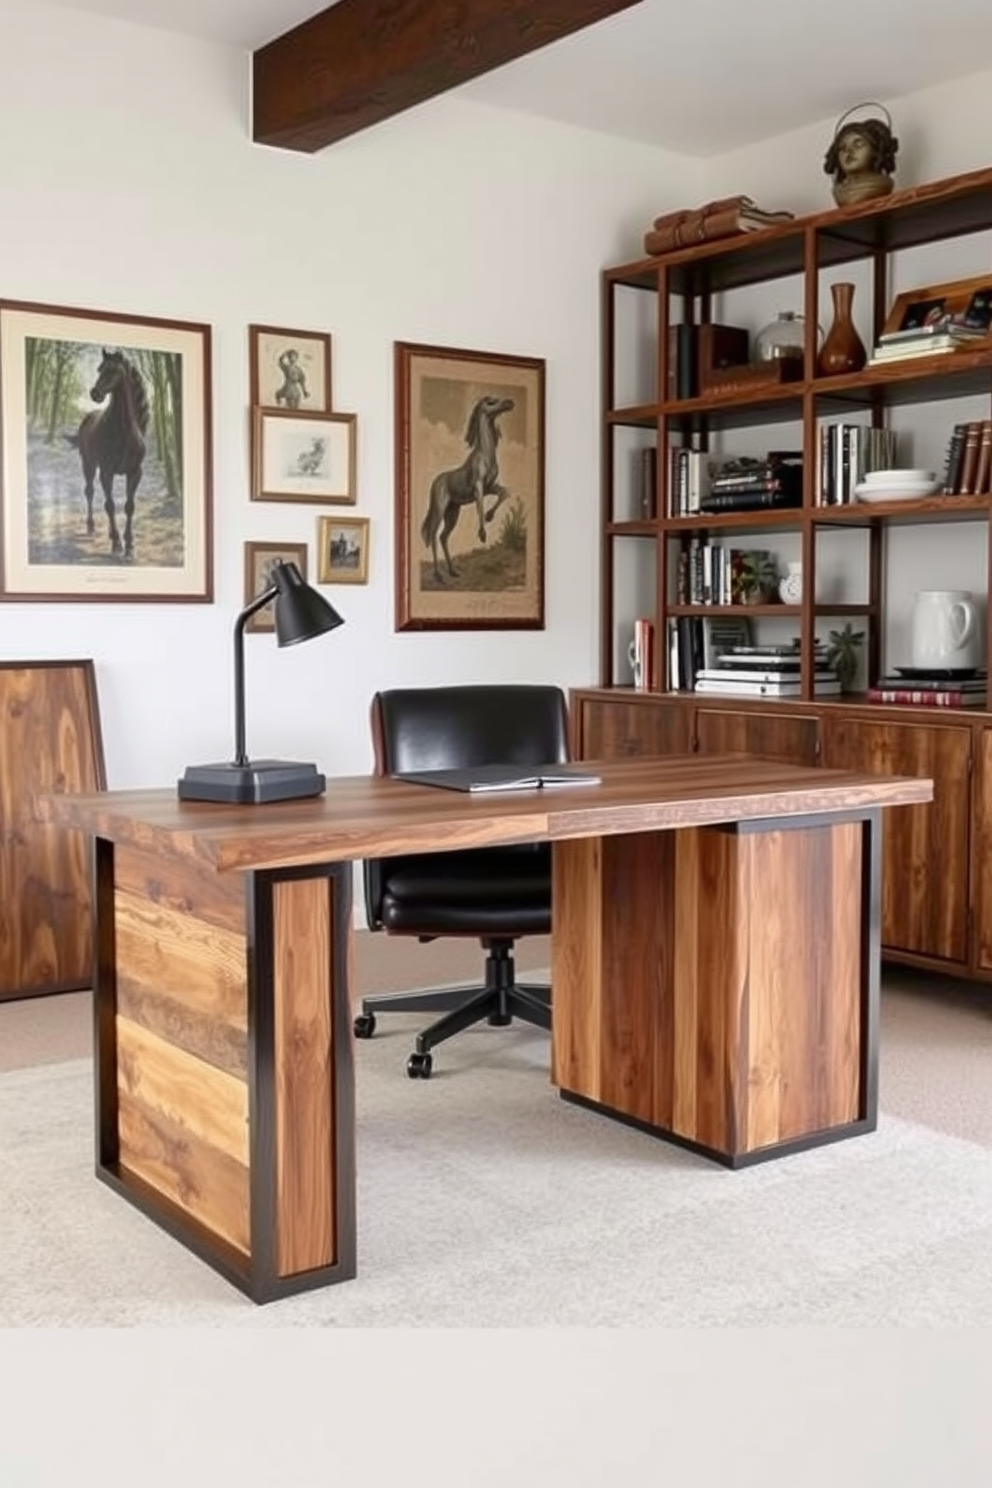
[
  {"x": 847, "y": 453},
  {"x": 696, "y": 642},
  {"x": 968, "y": 463}
]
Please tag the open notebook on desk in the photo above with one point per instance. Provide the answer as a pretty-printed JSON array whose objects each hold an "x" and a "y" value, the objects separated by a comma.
[{"x": 502, "y": 777}]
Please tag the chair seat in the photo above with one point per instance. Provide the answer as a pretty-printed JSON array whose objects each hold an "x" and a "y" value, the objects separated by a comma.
[{"x": 475, "y": 892}]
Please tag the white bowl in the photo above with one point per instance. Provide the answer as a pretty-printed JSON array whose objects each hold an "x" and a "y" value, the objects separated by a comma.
[
  {"x": 899, "y": 477},
  {"x": 905, "y": 492}
]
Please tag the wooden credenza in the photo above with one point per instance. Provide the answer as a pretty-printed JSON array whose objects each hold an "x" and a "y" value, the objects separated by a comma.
[
  {"x": 937, "y": 860},
  {"x": 50, "y": 741}
]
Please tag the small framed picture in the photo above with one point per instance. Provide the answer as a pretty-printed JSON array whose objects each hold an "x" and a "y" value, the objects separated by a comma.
[
  {"x": 343, "y": 550},
  {"x": 259, "y": 560},
  {"x": 303, "y": 457},
  {"x": 966, "y": 303},
  {"x": 290, "y": 369}
]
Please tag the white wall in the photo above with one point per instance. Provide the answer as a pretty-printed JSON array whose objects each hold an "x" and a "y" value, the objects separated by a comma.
[{"x": 129, "y": 183}]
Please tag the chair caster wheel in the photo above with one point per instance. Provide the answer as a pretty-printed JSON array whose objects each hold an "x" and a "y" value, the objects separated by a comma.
[
  {"x": 419, "y": 1066},
  {"x": 364, "y": 1025}
]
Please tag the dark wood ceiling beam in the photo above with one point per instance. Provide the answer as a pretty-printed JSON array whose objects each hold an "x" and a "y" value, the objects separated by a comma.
[{"x": 362, "y": 61}]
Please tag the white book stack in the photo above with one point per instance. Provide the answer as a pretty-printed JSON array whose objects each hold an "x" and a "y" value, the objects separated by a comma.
[{"x": 764, "y": 671}]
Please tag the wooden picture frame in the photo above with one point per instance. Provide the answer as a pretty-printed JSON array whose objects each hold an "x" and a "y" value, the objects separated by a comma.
[
  {"x": 307, "y": 457},
  {"x": 463, "y": 563},
  {"x": 939, "y": 302},
  {"x": 259, "y": 557},
  {"x": 83, "y": 394},
  {"x": 289, "y": 369},
  {"x": 343, "y": 550}
]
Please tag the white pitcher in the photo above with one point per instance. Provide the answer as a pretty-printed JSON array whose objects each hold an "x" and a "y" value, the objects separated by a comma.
[{"x": 945, "y": 629}]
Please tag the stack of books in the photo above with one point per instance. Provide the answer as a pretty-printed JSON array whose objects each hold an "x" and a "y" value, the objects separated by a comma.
[
  {"x": 926, "y": 340},
  {"x": 748, "y": 484},
  {"x": 765, "y": 671},
  {"x": 938, "y": 689}
]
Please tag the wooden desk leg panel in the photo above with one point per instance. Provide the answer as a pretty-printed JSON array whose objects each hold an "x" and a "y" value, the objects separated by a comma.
[
  {"x": 225, "y": 1091},
  {"x": 718, "y": 985}
]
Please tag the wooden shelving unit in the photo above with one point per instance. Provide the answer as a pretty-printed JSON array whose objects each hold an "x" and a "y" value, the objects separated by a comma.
[{"x": 937, "y": 897}]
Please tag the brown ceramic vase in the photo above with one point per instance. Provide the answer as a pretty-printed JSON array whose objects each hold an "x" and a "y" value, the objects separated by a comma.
[{"x": 843, "y": 350}]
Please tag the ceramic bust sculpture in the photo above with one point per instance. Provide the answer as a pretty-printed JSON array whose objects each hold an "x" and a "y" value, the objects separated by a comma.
[{"x": 861, "y": 159}]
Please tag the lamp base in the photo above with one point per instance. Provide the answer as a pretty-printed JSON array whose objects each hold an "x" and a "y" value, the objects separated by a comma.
[{"x": 252, "y": 784}]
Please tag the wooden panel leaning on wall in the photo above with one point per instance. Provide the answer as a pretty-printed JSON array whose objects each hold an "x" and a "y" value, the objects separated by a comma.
[{"x": 50, "y": 740}]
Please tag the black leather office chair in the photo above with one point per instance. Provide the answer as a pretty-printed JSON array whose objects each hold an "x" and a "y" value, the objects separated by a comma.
[{"x": 496, "y": 894}]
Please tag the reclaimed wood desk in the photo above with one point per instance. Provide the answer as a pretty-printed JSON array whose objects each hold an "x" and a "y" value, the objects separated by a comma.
[{"x": 715, "y": 961}]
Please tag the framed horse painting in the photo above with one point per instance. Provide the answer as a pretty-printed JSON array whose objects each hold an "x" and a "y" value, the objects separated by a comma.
[
  {"x": 105, "y": 487},
  {"x": 469, "y": 489}
]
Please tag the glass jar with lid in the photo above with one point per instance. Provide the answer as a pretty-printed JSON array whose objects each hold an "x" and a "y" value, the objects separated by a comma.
[{"x": 785, "y": 336}]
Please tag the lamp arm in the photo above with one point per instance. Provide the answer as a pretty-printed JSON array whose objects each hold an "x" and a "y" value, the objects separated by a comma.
[{"x": 258, "y": 603}]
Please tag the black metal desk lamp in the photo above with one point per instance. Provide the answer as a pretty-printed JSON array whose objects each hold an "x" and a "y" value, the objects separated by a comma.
[{"x": 300, "y": 614}]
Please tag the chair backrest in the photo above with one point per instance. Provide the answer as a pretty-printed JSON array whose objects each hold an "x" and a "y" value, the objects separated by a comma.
[
  {"x": 444, "y": 728},
  {"x": 441, "y": 728}
]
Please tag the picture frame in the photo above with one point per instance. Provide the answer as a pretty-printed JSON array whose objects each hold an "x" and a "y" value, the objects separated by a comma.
[
  {"x": 259, "y": 558},
  {"x": 967, "y": 301},
  {"x": 83, "y": 394},
  {"x": 461, "y": 414},
  {"x": 289, "y": 369},
  {"x": 343, "y": 550},
  {"x": 306, "y": 457}
]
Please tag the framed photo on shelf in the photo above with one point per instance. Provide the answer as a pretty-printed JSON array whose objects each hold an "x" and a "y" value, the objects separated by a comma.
[
  {"x": 342, "y": 550},
  {"x": 290, "y": 369},
  {"x": 306, "y": 457},
  {"x": 469, "y": 495},
  {"x": 259, "y": 558},
  {"x": 966, "y": 302},
  {"x": 105, "y": 456}
]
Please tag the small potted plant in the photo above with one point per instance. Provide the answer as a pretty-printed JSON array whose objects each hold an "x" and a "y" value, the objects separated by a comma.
[{"x": 843, "y": 654}]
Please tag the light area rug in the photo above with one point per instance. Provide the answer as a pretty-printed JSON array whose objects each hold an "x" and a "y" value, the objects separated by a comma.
[{"x": 486, "y": 1201}]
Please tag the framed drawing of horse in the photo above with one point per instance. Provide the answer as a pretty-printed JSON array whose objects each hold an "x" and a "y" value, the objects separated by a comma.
[
  {"x": 469, "y": 489},
  {"x": 105, "y": 469}
]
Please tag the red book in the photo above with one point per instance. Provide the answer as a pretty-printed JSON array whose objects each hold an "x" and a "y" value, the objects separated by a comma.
[{"x": 952, "y": 697}]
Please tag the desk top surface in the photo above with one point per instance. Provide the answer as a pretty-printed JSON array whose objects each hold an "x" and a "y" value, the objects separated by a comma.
[{"x": 362, "y": 816}]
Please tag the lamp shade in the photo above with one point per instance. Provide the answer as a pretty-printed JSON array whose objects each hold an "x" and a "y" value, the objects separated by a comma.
[{"x": 300, "y": 614}]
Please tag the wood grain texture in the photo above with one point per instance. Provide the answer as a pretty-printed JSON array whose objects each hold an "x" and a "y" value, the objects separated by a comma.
[
  {"x": 183, "y": 978},
  {"x": 304, "y": 1075},
  {"x": 183, "y": 1128},
  {"x": 983, "y": 850},
  {"x": 925, "y": 901},
  {"x": 709, "y": 983},
  {"x": 49, "y": 742},
  {"x": 790, "y": 737},
  {"x": 637, "y": 728},
  {"x": 362, "y": 61},
  {"x": 362, "y": 816}
]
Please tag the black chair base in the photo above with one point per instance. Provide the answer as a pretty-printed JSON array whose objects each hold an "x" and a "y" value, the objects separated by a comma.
[{"x": 500, "y": 1001}]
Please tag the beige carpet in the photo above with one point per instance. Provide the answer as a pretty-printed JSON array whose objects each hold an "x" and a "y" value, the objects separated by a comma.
[{"x": 486, "y": 1201}]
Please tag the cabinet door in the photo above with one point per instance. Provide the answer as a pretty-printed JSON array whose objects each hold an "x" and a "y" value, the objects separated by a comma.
[
  {"x": 791, "y": 738},
  {"x": 924, "y": 848},
  {"x": 983, "y": 849},
  {"x": 618, "y": 729}
]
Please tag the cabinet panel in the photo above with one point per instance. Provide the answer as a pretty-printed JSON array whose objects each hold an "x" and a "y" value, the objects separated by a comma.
[
  {"x": 983, "y": 849},
  {"x": 925, "y": 848},
  {"x": 790, "y": 738},
  {"x": 624, "y": 728}
]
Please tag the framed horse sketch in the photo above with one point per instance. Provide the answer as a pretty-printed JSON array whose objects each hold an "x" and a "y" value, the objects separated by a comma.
[
  {"x": 105, "y": 455},
  {"x": 303, "y": 457},
  {"x": 289, "y": 369},
  {"x": 342, "y": 550},
  {"x": 469, "y": 489},
  {"x": 259, "y": 558}
]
